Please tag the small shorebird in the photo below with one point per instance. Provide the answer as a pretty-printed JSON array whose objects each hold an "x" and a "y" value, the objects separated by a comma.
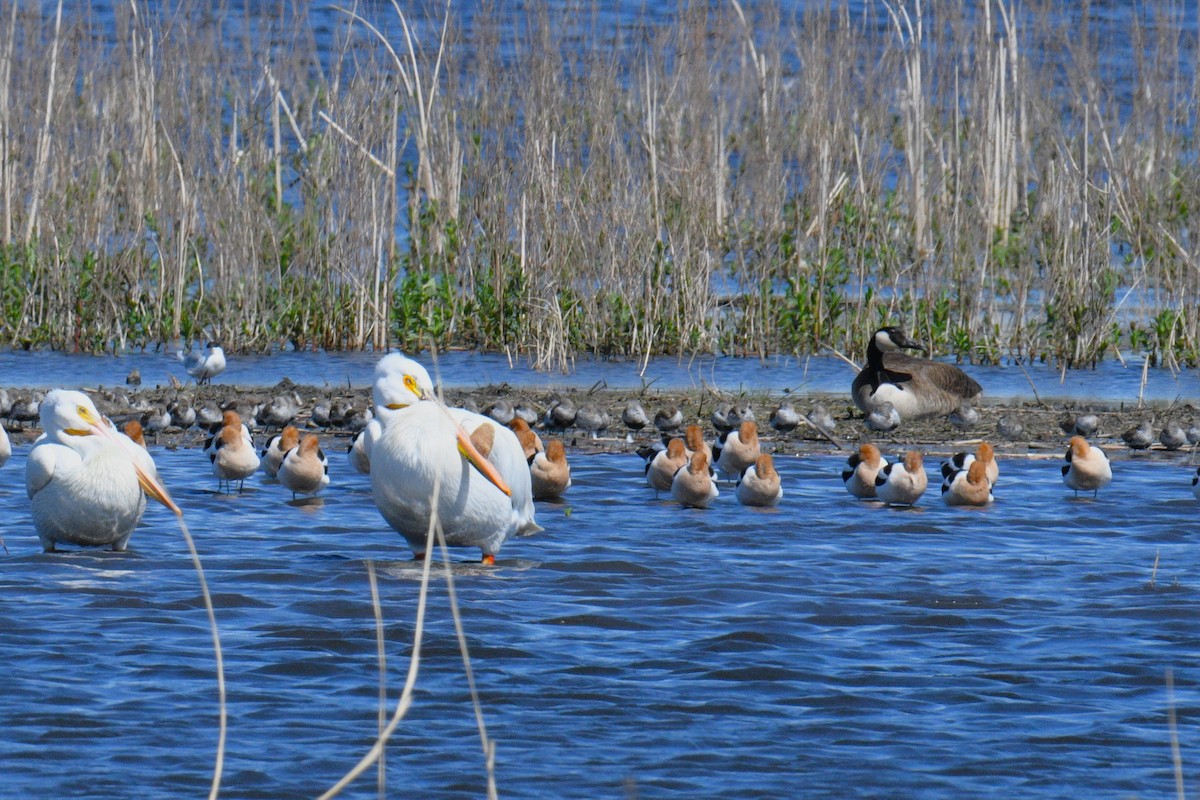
[
  {"x": 474, "y": 467},
  {"x": 965, "y": 416},
  {"x": 502, "y": 411},
  {"x": 531, "y": 443},
  {"x": 592, "y": 420},
  {"x": 693, "y": 485},
  {"x": 861, "y": 470},
  {"x": 693, "y": 440},
  {"x": 278, "y": 447},
  {"x": 668, "y": 419},
  {"x": 883, "y": 418},
  {"x": 739, "y": 450},
  {"x": 304, "y": 469},
  {"x": 634, "y": 416},
  {"x": 280, "y": 411},
  {"x": 819, "y": 416},
  {"x": 86, "y": 482},
  {"x": 522, "y": 409},
  {"x": 785, "y": 418},
  {"x": 960, "y": 461},
  {"x": 1139, "y": 437},
  {"x": 155, "y": 421},
  {"x": 549, "y": 472},
  {"x": 1173, "y": 436},
  {"x": 760, "y": 484},
  {"x": 182, "y": 414},
  {"x": 1009, "y": 428},
  {"x": 1087, "y": 468},
  {"x": 560, "y": 415},
  {"x": 720, "y": 420},
  {"x": 902, "y": 483},
  {"x": 319, "y": 416},
  {"x": 203, "y": 365},
  {"x": 662, "y": 463},
  {"x": 359, "y": 450},
  {"x": 916, "y": 387},
  {"x": 232, "y": 453},
  {"x": 968, "y": 487}
]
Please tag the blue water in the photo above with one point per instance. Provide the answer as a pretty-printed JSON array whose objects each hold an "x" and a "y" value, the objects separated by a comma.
[
  {"x": 829, "y": 647},
  {"x": 1110, "y": 382}
]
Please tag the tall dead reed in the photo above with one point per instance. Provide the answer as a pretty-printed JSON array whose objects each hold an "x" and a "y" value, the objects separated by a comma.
[{"x": 740, "y": 178}]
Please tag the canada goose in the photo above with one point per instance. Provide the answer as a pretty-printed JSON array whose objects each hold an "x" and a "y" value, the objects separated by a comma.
[
  {"x": 1173, "y": 436},
  {"x": 968, "y": 487},
  {"x": 759, "y": 485},
  {"x": 917, "y": 387},
  {"x": 693, "y": 485},
  {"x": 902, "y": 483},
  {"x": 549, "y": 473},
  {"x": 861, "y": 469},
  {"x": 739, "y": 450},
  {"x": 960, "y": 461},
  {"x": 1087, "y": 468},
  {"x": 1139, "y": 438}
]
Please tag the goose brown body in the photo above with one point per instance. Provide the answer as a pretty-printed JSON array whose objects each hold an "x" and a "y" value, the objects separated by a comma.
[{"x": 916, "y": 387}]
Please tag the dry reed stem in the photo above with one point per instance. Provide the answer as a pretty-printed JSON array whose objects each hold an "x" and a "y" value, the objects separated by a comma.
[
  {"x": 381, "y": 657},
  {"x": 1176, "y": 756}
]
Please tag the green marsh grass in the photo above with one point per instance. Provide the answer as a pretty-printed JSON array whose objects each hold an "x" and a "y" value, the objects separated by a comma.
[{"x": 736, "y": 178}]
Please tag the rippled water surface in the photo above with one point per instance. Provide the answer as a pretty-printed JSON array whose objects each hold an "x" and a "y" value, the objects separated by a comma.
[{"x": 825, "y": 648}]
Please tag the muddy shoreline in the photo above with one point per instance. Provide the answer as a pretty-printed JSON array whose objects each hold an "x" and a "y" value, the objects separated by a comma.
[{"x": 1042, "y": 433}]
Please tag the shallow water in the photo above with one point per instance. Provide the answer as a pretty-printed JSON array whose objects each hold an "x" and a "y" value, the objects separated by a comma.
[
  {"x": 827, "y": 647},
  {"x": 1111, "y": 381}
]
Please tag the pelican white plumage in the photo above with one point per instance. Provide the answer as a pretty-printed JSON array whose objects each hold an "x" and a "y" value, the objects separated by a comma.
[
  {"x": 5, "y": 447},
  {"x": 425, "y": 447},
  {"x": 203, "y": 365},
  {"x": 84, "y": 480},
  {"x": 359, "y": 451}
]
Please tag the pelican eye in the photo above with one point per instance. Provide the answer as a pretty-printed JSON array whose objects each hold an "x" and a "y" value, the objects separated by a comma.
[
  {"x": 410, "y": 383},
  {"x": 85, "y": 414}
]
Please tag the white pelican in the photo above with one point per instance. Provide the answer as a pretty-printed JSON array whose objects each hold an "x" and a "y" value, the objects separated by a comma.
[
  {"x": 968, "y": 487},
  {"x": 277, "y": 448},
  {"x": 916, "y": 387},
  {"x": 5, "y": 447},
  {"x": 739, "y": 450},
  {"x": 759, "y": 485},
  {"x": 549, "y": 472},
  {"x": 1087, "y": 468},
  {"x": 203, "y": 365},
  {"x": 902, "y": 483},
  {"x": 693, "y": 485},
  {"x": 304, "y": 468},
  {"x": 483, "y": 499},
  {"x": 85, "y": 481},
  {"x": 861, "y": 469},
  {"x": 232, "y": 453},
  {"x": 359, "y": 451}
]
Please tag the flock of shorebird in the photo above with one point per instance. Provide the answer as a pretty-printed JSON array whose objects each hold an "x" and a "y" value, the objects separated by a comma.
[{"x": 477, "y": 474}]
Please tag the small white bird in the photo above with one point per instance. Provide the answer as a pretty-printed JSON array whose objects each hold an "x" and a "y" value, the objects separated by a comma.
[
  {"x": 662, "y": 463},
  {"x": 304, "y": 469},
  {"x": 203, "y": 365},
  {"x": 85, "y": 481},
  {"x": 760, "y": 484},
  {"x": 739, "y": 450},
  {"x": 1087, "y": 468},
  {"x": 232, "y": 453},
  {"x": 278, "y": 447},
  {"x": 693, "y": 485},
  {"x": 902, "y": 483},
  {"x": 861, "y": 469},
  {"x": 968, "y": 487},
  {"x": 549, "y": 471}
]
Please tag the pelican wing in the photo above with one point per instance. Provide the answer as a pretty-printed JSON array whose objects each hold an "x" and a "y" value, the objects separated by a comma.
[{"x": 39, "y": 468}]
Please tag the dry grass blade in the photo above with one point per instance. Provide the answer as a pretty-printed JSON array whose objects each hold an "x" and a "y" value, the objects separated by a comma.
[
  {"x": 1176, "y": 757},
  {"x": 414, "y": 664},
  {"x": 219, "y": 767},
  {"x": 381, "y": 656}
]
